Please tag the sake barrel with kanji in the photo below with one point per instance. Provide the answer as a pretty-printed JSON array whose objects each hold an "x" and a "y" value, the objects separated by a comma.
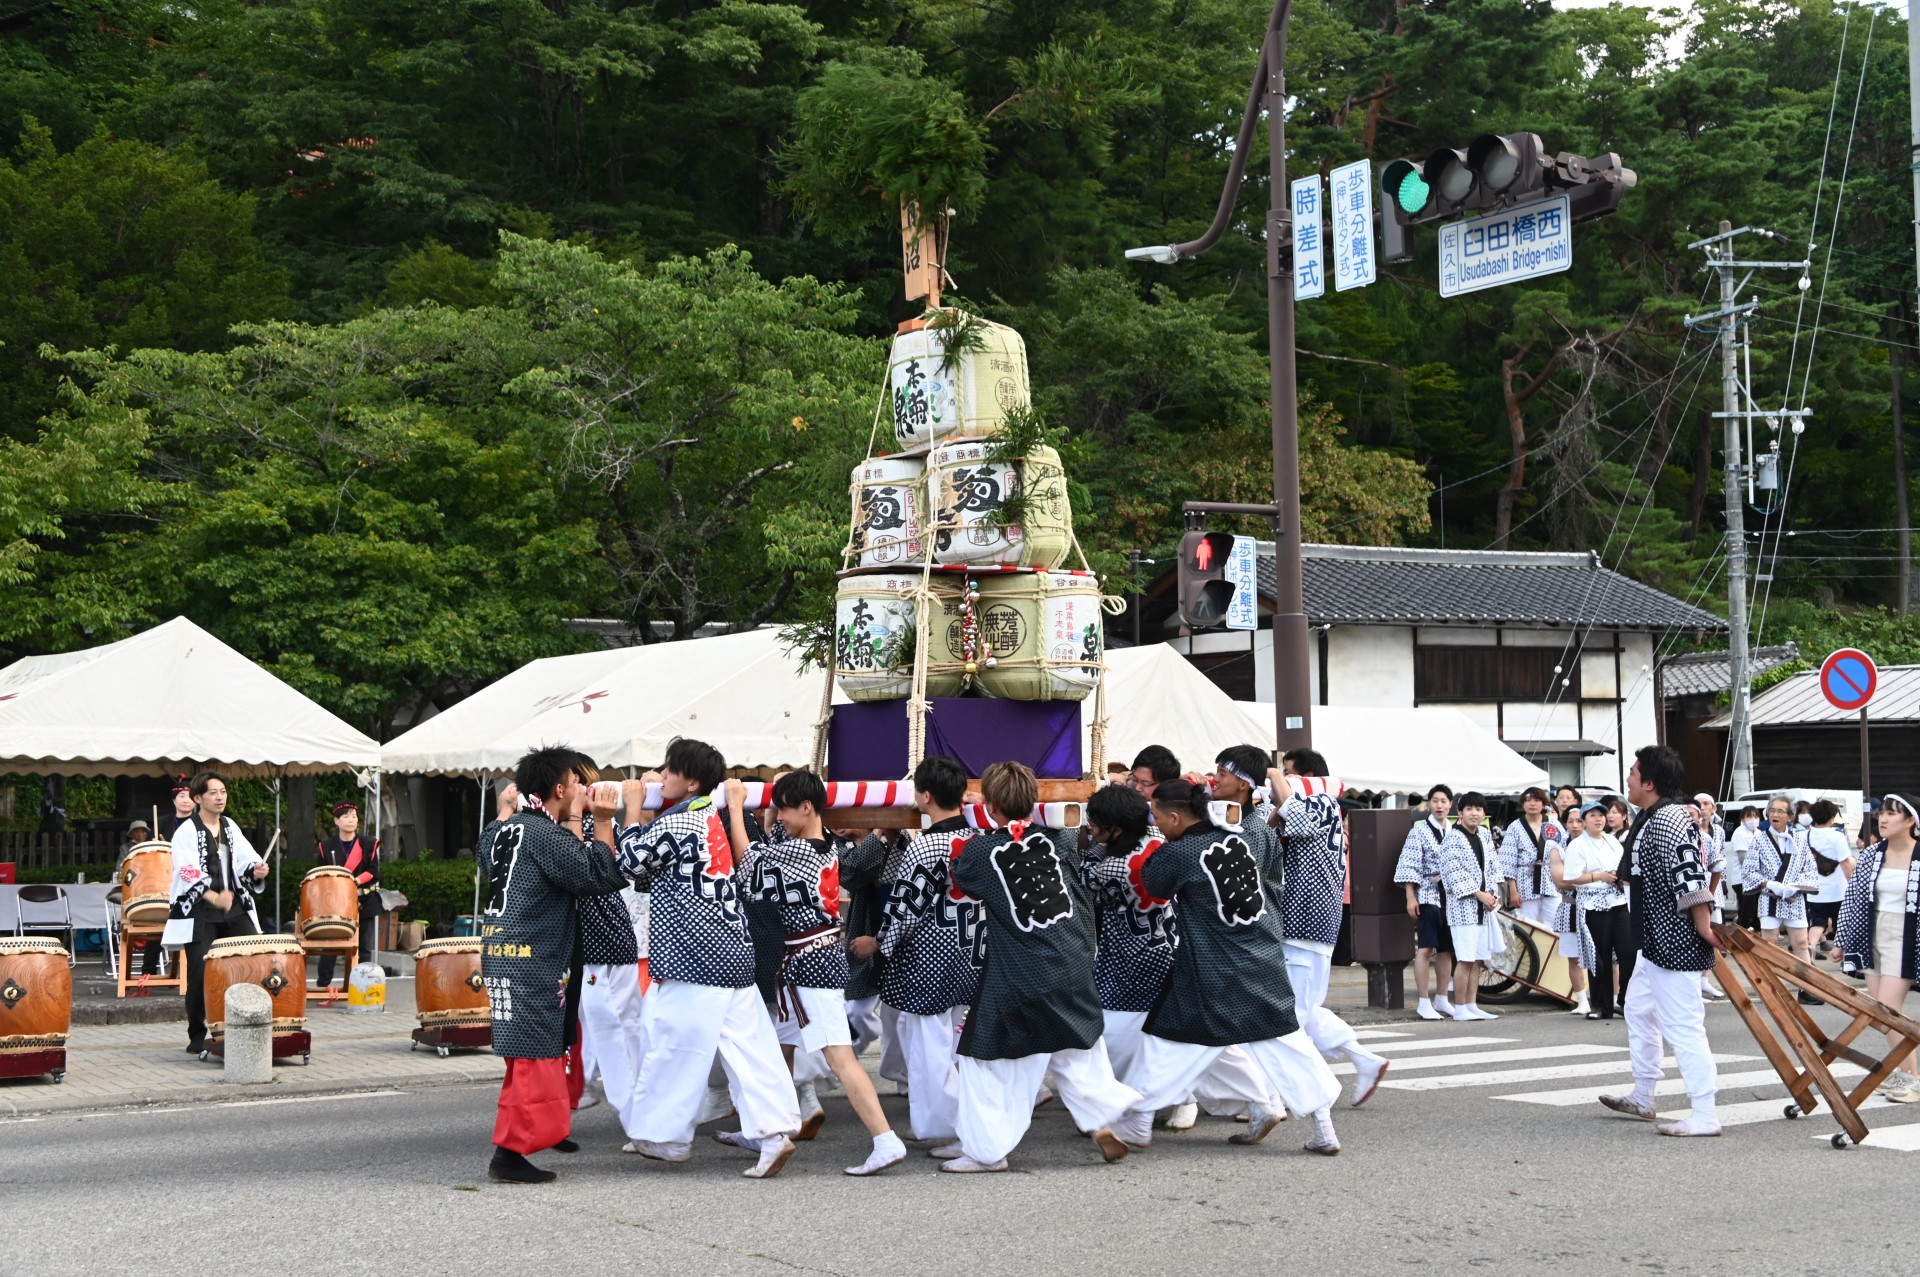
[
  {"x": 889, "y": 508},
  {"x": 1011, "y": 513},
  {"x": 873, "y": 636},
  {"x": 964, "y": 393},
  {"x": 1039, "y": 635}
]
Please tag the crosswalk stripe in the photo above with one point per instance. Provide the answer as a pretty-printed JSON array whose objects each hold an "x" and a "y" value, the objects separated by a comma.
[
  {"x": 1504, "y": 1077},
  {"x": 1901, "y": 1139},
  {"x": 1577, "y": 1095},
  {"x": 1495, "y": 1057},
  {"x": 1397, "y": 1049},
  {"x": 1748, "y": 1112},
  {"x": 1374, "y": 1035}
]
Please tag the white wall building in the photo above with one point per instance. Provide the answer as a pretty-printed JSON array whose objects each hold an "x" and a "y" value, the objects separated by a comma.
[{"x": 1553, "y": 653}]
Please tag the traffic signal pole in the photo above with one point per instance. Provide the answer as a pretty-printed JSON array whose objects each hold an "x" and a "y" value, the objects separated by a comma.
[{"x": 1292, "y": 691}]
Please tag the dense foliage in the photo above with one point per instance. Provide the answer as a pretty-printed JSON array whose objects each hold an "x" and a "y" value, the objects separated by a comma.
[{"x": 381, "y": 337}]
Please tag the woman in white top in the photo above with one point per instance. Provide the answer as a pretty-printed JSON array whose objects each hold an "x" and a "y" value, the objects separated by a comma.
[
  {"x": 1588, "y": 869},
  {"x": 1879, "y": 935},
  {"x": 1833, "y": 860}
]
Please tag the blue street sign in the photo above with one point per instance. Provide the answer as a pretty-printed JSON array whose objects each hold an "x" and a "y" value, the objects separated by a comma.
[
  {"x": 1506, "y": 247},
  {"x": 1309, "y": 248},
  {"x": 1351, "y": 204},
  {"x": 1243, "y": 612}
]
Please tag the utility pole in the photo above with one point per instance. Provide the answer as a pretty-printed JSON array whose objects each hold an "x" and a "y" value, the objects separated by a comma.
[
  {"x": 1292, "y": 696},
  {"x": 1737, "y": 419}
]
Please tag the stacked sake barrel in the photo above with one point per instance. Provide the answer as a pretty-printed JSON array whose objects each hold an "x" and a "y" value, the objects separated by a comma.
[{"x": 932, "y": 512}]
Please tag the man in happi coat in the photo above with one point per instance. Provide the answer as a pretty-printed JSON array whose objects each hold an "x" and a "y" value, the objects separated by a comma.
[
  {"x": 931, "y": 944},
  {"x": 216, "y": 874},
  {"x": 703, "y": 1000},
  {"x": 535, "y": 865},
  {"x": 1313, "y": 852},
  {"x": 1229, "y": 982},
  {"x": 1035, "y": 1009},
  {"x": 1418, "y": 870},
  {"x": 1673, "y": 916}
]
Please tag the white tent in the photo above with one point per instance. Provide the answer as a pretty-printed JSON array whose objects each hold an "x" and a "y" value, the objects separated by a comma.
[
  {"x": 1405, "y": 751},
  {"x": 1155, "y": 696},
  {"x": 622, "y": 706},
  {"x": 168, "y": 699}
]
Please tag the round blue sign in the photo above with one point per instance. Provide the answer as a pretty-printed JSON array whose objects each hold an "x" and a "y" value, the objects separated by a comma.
[{"x": 1848, "y": 678}]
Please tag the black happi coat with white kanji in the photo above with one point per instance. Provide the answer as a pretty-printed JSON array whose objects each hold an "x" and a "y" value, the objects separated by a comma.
[
  {"x": 1136, "y": 928},
  {"x": 534, "y": 870},
  {"x": 1035, "y": 994},
  {"x": 1860, "y": 918},
  {"x": 932, "y": 945},
  {"x": 1229, "y": 983},
  {"x": 1668, "y": 878}
]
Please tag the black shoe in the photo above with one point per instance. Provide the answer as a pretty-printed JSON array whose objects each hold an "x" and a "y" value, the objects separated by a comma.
[
  {"x": 195, "y": 1048},
  {"x": 566, "y": 1146},
  {"x": 508, "y": 1167},
  {"x": 1808, "y": 1000}
]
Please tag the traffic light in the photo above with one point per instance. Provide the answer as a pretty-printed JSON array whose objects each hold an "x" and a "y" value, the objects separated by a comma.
[
  {"x": 1205, "y": 591},
  {"x": 1500, "y": 171}
]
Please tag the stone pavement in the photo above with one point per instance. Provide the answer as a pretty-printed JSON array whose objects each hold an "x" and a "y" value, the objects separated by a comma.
[{"x": 112, "y": 1065}]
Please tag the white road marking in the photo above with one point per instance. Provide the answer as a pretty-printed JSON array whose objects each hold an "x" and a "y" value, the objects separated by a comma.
[
  {"x": 1397, "y": 1049},
  {"x": 1676, "y": 1086},
  {"x": 1901, "y": 1139},
  {"x": 1747, "y": 1112},
  {"x": 1374, "y": 1035},
  {"x": 1495, "y": 1057},
  {"x": 1550, "y": 1073}
]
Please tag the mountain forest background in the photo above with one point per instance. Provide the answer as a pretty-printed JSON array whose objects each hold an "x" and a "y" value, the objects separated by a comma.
[{"x": 381, "y": 338}]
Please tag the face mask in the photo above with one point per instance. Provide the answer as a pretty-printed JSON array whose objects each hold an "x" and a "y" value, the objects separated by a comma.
[
  {"x": 1751, "y": 822},
  {"x": 1803, "y": 819}
]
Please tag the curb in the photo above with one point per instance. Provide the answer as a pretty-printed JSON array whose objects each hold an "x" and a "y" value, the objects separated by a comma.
[{"x": 214, "y": 1093}]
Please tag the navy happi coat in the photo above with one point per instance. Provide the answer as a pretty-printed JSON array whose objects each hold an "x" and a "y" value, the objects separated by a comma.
[{"x": 534, "y": 870}]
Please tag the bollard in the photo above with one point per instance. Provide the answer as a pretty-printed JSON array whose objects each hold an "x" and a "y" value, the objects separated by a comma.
[{"x": 249, "y": 1036}]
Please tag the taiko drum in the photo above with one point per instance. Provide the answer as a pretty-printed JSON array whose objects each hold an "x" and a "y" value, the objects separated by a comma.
[
  {"x": 329, "y": 905},
  {"x": 276, "y": 963},
  {"x": 36, "y": 994},
  {"x": 447, "y": 985},
  {"x": 146, "y": 885}
]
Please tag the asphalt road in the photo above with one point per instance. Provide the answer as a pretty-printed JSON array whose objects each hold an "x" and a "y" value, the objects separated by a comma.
[{"x": 1438, "y": 1181}]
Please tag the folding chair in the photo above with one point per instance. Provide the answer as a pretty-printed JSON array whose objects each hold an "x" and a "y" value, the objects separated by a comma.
[{"x": 44, "y": 910}]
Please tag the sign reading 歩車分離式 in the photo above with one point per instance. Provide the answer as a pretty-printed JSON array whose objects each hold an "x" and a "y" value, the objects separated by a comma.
[{"x": 1506, "y": 247}]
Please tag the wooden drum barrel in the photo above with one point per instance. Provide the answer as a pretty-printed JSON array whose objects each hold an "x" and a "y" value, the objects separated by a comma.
[
  {"x": 447, "y": 986},
  {"x": 276, "y": 963},
  {"x": 146, "y": 885},
  {"x": 36, "y": 995},
  {"x": 329, "y": 905}
]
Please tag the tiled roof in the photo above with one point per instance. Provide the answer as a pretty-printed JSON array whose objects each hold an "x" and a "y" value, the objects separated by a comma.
[
  {"x": 1380, "y": 585},
  {"x": 1708, "y": 673}
]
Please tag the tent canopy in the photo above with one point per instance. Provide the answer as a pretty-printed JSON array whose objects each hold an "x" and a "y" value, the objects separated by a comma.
[
  {"x": 622, "y": 706},
  {"x": 1405, "y": 751},
  {"x": 171, "y": 698}
]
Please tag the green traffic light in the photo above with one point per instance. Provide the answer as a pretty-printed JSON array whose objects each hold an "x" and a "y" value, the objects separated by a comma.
[{"x": 1414, "y": 192}]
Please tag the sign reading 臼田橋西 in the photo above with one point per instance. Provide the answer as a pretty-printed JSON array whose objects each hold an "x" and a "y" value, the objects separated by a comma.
[{"x": 1506, "y": 247}]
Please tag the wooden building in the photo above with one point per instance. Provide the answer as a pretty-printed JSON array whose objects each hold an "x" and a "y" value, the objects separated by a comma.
[{"x": 1801, "y": 741}]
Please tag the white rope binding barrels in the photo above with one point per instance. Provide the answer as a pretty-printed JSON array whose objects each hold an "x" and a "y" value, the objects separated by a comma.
[{"x": 831, "y": 657}]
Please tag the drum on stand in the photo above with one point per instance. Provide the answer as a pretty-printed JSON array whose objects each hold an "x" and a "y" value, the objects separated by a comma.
[
  {"x": 36, "y": 1007},
  {"x": 146, "y": 886},
  {"x": 450, "y": 996},
  {"x": 277, "y": 964},
  {"x": 329, "y": 906}
]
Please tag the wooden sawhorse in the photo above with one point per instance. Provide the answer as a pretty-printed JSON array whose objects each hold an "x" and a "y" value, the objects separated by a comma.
[{"x": 1776, "y": 976}]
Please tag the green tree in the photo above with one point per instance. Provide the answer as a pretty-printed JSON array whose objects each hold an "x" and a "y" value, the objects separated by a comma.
[{"x": 116, "y": 244}]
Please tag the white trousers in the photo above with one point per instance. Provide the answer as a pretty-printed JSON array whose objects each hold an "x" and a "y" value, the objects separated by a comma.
[
  {"x": 611, "y": 1040},
  {"x": 1664, "y": 1012},
  {"x": 1310, "y": 971},
  {"x": 1123, "y": 1034},
  {"x": 863, "y": 1018},
  {"x": 927, "y": 1044},
  {"x": 893, "y": 1065},
  {"x": 1541, "y": 910},
  {"x": 1288, "y": 1067},
  {"x": 996, "y": 1097},
  {"x": 684, "y": 1025}
]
